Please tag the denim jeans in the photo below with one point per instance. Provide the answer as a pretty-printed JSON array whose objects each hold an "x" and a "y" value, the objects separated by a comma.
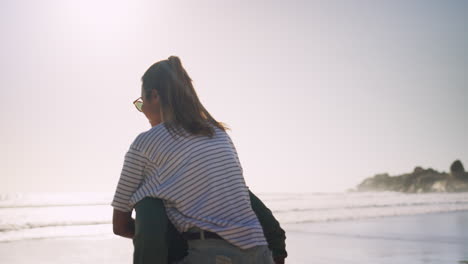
[{"x": 217, "y": 251}]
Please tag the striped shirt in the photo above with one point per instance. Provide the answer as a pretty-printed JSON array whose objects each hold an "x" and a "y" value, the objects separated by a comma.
[{"x": 199, "y": 179}]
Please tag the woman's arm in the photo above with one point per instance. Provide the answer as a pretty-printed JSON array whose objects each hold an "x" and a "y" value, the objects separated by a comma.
[
  {"x": 130, "y": 178},
  {"x": 274, "y": 234}
]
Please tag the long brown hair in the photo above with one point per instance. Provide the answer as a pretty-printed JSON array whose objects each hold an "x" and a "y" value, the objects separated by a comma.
[{"x": 179, "y": 101}]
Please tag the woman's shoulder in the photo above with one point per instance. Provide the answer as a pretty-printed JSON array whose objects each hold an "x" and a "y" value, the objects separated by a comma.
[{"x": 150, "y": 135}]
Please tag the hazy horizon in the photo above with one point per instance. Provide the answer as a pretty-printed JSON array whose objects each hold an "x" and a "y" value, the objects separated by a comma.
[{"x": 319, "y": 94}]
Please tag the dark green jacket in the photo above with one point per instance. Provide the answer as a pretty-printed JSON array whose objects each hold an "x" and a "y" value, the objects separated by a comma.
[{"x": 157, "y": 241}]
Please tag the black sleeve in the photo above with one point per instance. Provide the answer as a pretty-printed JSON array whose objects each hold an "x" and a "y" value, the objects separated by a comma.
[
  {"x": 274, "y": 234},
  {"x": 151, "y": 224},
  {"x": 156, "y": 239}
]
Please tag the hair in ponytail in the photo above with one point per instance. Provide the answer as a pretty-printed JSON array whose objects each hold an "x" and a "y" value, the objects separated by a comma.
[{"x": 180, "y": 104}]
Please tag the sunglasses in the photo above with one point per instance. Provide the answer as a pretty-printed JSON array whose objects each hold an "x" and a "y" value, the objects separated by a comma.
[{"x": 138, "y": 104}]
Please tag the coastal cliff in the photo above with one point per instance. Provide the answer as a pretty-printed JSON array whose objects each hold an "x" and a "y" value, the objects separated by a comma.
[{"x": 420, "y": 181}]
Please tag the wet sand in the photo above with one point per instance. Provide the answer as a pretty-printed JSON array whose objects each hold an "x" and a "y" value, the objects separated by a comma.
[{"x": 432, "y": 238}]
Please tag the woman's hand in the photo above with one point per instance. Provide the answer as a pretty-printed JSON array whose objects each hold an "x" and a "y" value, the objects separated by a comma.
[{"x": 123, "y": 224}]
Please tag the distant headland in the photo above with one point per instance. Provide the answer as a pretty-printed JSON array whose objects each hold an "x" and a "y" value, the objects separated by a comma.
[{"x": 420, "y": 181}]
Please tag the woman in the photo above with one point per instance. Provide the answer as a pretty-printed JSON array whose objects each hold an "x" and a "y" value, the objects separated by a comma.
[{"x": 189, "y": 162}]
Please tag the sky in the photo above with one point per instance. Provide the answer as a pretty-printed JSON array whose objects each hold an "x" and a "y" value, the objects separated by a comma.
[{"x": 319, "y": 95}]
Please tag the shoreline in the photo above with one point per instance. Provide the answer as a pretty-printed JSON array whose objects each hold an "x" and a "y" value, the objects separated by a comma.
[{"x": 429, "y": 238}]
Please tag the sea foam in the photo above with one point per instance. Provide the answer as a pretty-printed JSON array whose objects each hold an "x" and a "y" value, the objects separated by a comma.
[{"x": 41, "y": 215}]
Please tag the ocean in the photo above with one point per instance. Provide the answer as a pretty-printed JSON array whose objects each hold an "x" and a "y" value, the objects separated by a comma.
[{"x": 25, "y": 216}]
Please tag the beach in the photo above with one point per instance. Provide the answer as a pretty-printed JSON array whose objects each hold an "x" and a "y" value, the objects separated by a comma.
[{"x": 440, "y": 238}]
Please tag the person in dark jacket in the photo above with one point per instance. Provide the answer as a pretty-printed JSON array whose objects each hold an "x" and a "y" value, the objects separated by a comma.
[{"x": 157, "y": 241}]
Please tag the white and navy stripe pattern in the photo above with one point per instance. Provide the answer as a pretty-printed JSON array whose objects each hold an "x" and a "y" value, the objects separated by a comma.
[{"x": 199, "y": 178}]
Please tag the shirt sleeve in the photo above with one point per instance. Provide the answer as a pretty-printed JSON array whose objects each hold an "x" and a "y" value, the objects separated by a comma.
[
  {"x": 235, "y": 152},
  {"x": 131, "y": 177},
  {"x": 274, "y": 234}
]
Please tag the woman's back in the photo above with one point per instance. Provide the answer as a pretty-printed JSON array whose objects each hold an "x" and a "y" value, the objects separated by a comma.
[{"x": 199, "y": 178}]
